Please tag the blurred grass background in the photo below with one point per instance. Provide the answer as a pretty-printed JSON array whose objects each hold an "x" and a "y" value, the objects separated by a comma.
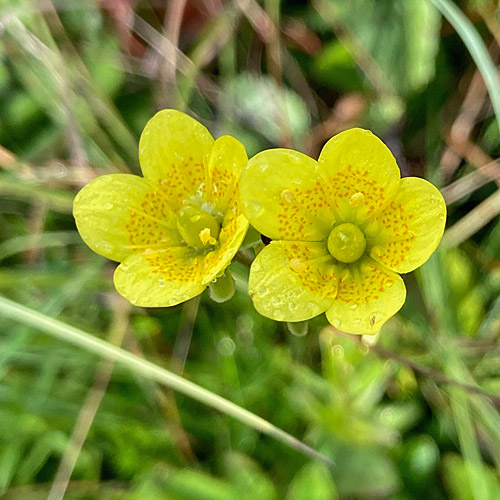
[{"x": 410, "y": 414}]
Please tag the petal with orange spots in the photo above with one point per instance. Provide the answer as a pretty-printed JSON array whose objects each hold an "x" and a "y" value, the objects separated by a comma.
[
  {"x": 282, "y": 196},
  {"x": 233, "y": 231},
  {"x": 160, "y": 278},
  {"x": 224, "y": 165},
  {"x": 119, "y": 214},
  {"x": 368, "y": 295},
  {"x": 293, "y": 281},
  {"x": 410, "y": 228},
  {"x": 360, "y": 174},
  {"x": 172, "y": 150}
]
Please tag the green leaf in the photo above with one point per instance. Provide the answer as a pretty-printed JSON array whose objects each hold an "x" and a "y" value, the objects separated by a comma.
[
  {"x": 456, "y": 474},
  {"x": 335, "y": 67},
  {"x": 192, "y": 485},
  {"x": 273, "y": 112},
  {"x": 248, "y": 479},
  {"x": 403, "y": 59},
  {"x": 312, "y": 482}
]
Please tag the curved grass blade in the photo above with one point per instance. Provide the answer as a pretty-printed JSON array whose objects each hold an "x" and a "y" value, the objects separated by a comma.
[
  {"x": 67, "y": 333},
  {"x": 476, "y": 47}
]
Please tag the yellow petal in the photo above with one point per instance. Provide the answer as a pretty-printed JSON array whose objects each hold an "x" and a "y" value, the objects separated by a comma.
[
  {"x": 119, "y": 214},
  {"x": 162, "y": 278},
  {"x": 282, "y": 196},
  {"x": 410, "y": 228},
  {"x": 234, "y": 229},
  {"x": 368, "y": 295},
  {"x": 224, "y": 165},
  {"x": 293, "y": 281},
  {"x": 172, "y": 150},
  {"x": 360, "y": 173}
]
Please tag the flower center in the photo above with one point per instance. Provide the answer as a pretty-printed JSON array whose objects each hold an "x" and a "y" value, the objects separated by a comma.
[
  {"x": 197, "y": 227},
  {"x": 346, "y": 243}
]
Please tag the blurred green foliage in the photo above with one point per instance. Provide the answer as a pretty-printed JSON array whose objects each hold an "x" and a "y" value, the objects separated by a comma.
[{"x": 77, "y": 84}]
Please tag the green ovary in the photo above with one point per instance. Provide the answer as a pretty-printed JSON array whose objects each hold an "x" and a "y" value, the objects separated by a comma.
[
  {"x": 197, "y": 227},
  {"x": 346, "y": 243}
]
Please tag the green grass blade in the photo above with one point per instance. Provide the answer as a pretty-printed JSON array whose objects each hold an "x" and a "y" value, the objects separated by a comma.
[
  {"x": 476, "y": 47},
  {"x": 67, "y": 333}
]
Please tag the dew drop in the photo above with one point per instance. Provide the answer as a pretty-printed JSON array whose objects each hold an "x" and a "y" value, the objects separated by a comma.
[
  {"x": 296, "y": 265},
  {"x": 389, "y": 283},
  {"x": 276, "y": 301},
  {"x": 287, "y": 195},
  {"x": 278, "y": 314},
  {"x": 104, "y": 246},
  {"x": 311, "y": 307},
  {"x": 292, "y": 306},
  {"x": 124, "y": 267},
  {"x": 262, "y": 290},
  {"x": 253, "y": 209},
  {"x": 299, "y": 328},
  {"x": 171, "y": 302},
  {"x": 356, "y": 321},
  {"x": 108, "y": 206},
  {"x": 336, "y": 322},
  {"x": 353, "y": 306},
  {"x": 161, "y": 282},
  {"x": 356, "y": 199},
  {"x": 226, "y": 347}
]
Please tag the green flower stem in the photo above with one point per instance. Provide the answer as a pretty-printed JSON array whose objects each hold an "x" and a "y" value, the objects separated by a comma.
[
  {"x": 67, "y": 333},
  {"x": 476, "y": 47}
]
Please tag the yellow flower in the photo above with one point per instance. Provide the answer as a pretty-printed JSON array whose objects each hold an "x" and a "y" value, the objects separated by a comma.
[
  {"x": 177, "y": 228},
  {"x": 342, "y": 227}
]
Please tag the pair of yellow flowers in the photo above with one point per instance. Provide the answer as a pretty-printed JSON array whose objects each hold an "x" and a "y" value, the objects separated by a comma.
[{"x": 341, "y": 227}]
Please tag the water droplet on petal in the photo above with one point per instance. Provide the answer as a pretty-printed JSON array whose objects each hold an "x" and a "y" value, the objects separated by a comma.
[
  {"x": 292, "y": 306},
  {"x": 356, "y": 199},
  {"x": 311, "y": 308},
  {"x": 253, "y": 209},
  {"x": 287, "y": 195},
  {"x": 171, "y": 302},
  {"x": 356, "y": 321},
  {"x": 336, "y": 322},
  {"x": 296, "y": 265},
  {"x": 104, "y": 246},
  {"x": 353, "y": 306},
  {"x": 262, "y": 290},
  {"x": 278, "y": 314},
  {"x": 276, "y": 301},
  {"x": 161, "y": 282},
  {"x": 108, "y": 206}
]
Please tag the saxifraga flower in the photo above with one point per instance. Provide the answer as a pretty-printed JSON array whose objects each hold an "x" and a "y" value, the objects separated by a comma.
[
  {"x": 176, "y": 229},
  {"x": 342, "y": 228}
]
